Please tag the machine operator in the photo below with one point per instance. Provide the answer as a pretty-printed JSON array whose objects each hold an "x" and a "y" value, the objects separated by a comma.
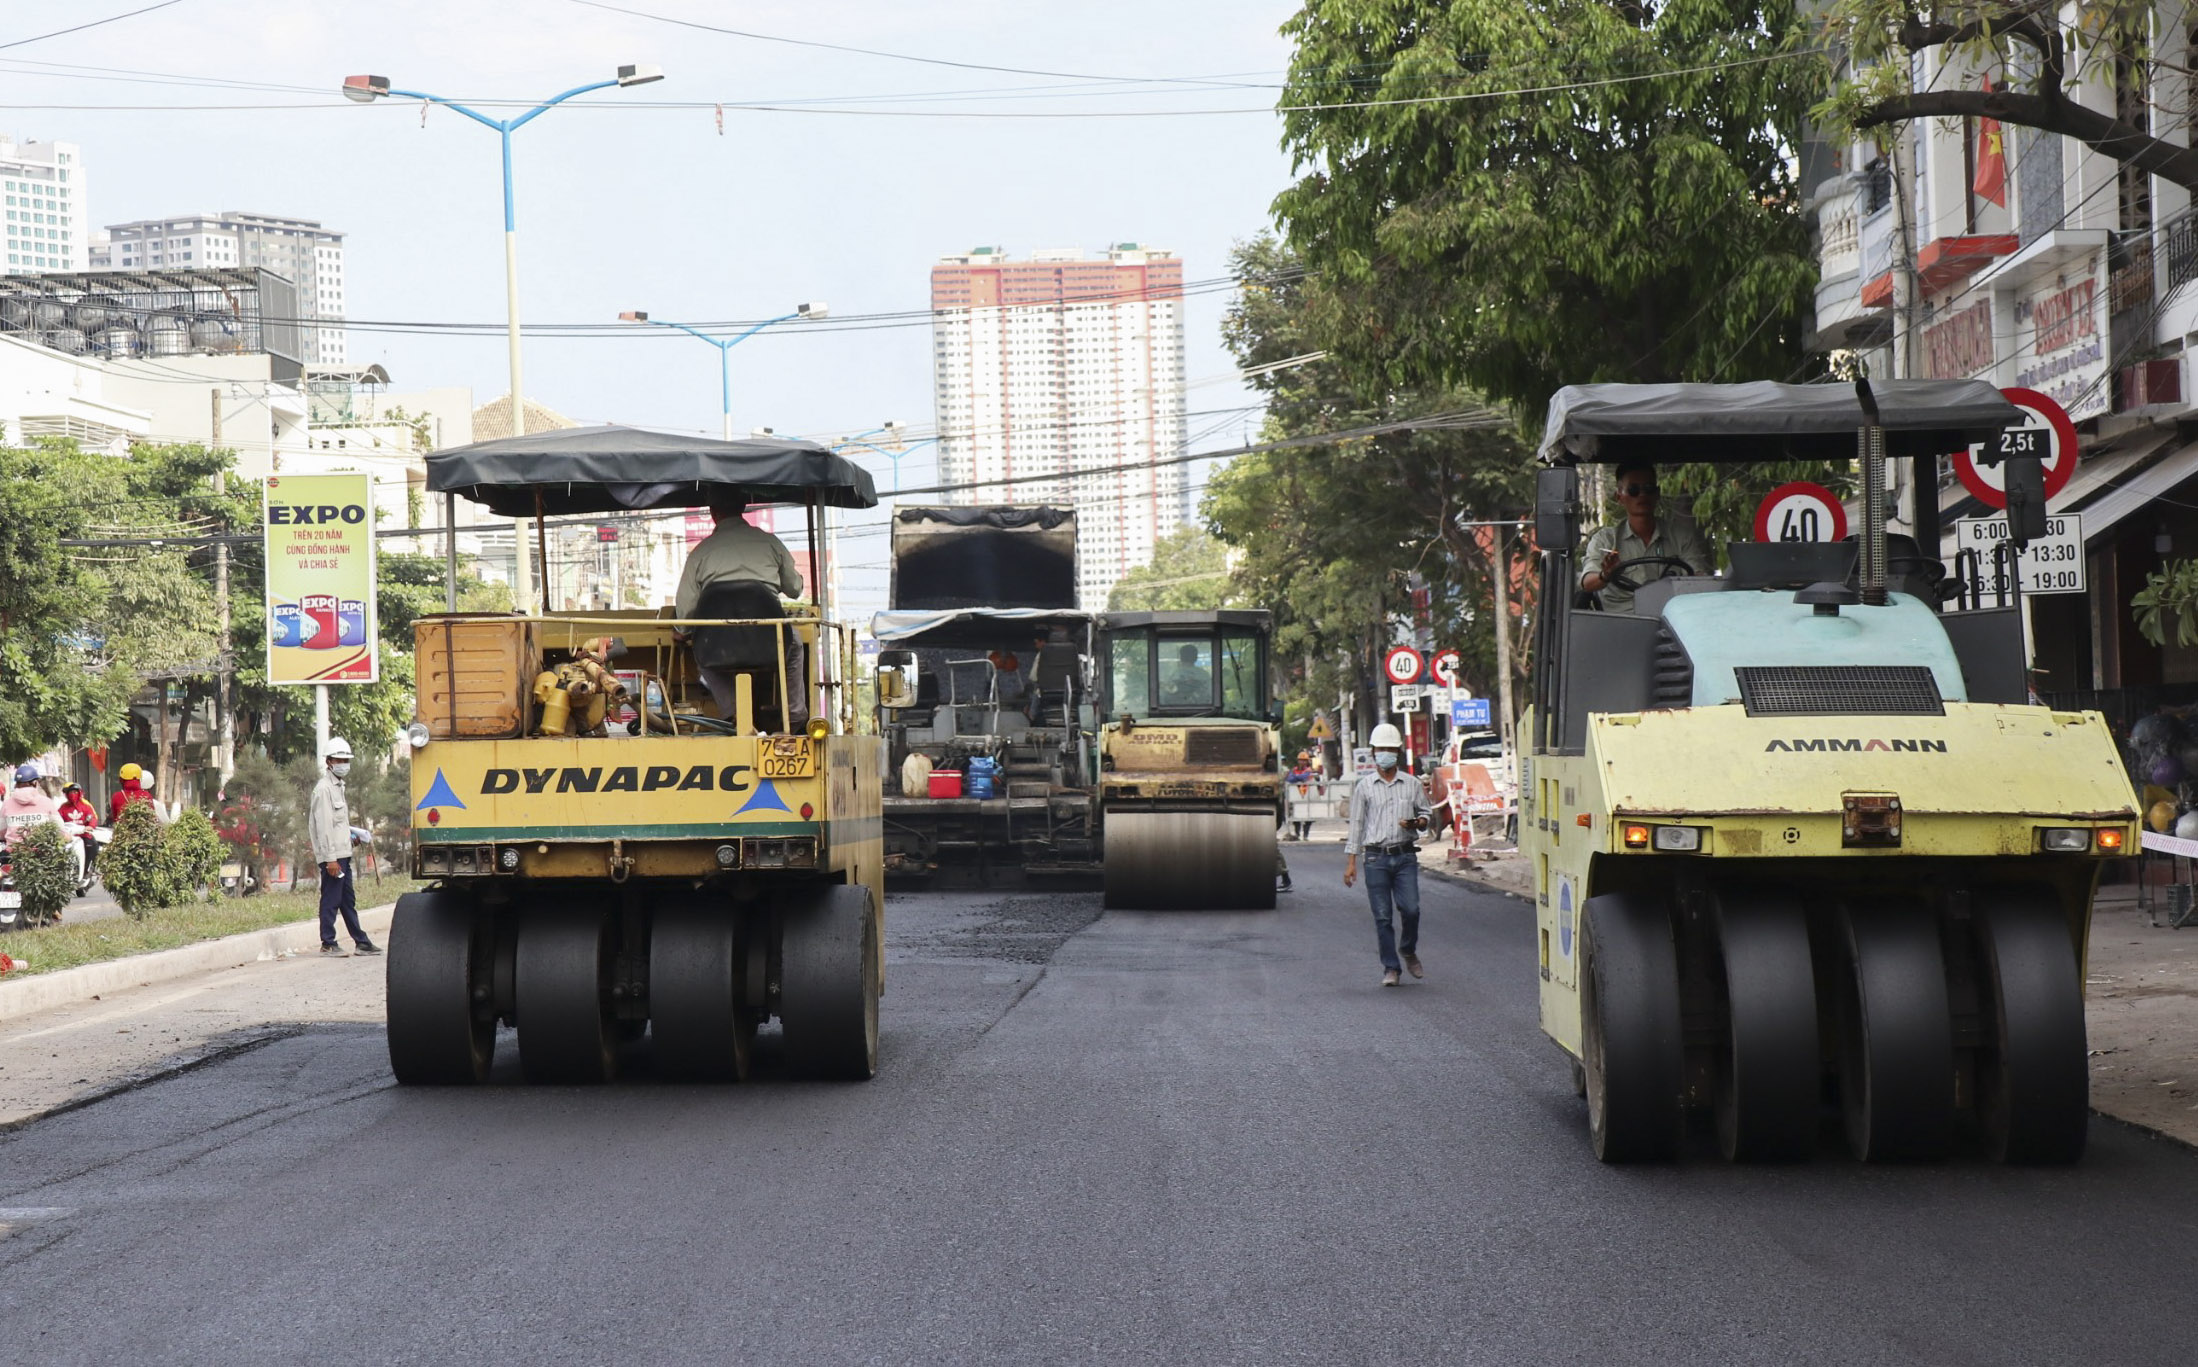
[
  {"x": 738, "y": 552},
  {"x": 1643, "y": 533}
]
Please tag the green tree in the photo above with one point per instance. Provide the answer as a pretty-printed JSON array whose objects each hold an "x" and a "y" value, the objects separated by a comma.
[
  {"x": 1330, "y": 537},
  {"x": 45, "y": 872},
  {"x": 134, "y": 866},
  {"x": 192, "y": 853},
  {"x": 1189, "y": 571},
  {"x": 1512, "y": 197}
]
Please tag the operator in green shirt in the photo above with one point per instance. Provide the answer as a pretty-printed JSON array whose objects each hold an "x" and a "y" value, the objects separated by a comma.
[{"x": 1643, "y": 533}]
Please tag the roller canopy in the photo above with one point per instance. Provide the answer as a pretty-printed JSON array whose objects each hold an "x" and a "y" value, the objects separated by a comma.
[
  {"x": 1679, "y": 423},
  {"x": 618, "y": 469},
  {"x": 973, "y": 628}
]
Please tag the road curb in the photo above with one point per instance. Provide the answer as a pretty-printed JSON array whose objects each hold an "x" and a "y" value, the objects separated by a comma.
[
  {"x": 1477, "y": 884},
  {"x": 44, "y": 991}
]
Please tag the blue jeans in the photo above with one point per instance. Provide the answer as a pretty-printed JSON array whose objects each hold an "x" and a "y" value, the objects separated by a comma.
[
  {"x": 338, "y": 894},
  {"x": 1393, "y": 879}
]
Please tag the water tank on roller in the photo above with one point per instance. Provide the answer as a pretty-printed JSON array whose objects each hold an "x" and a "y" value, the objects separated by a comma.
[
  {"x": 167, "y": 335},
  {"x": 71, "y": 340},
  {"x": 118, "y": 339}
]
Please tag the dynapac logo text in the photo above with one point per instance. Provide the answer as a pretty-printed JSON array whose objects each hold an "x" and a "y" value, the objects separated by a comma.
[
  {"x": 626, "y": 778},
  {"x": 1936, "y": 747}
]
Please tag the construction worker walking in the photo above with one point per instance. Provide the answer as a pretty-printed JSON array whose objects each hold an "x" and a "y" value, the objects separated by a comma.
[
  {"x": 329, "y": 824},
  {"x": 1388, "y": 811}
]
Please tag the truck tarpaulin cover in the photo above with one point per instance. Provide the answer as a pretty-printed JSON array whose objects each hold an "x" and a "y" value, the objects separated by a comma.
[
  {"x": 1000, "y": 556},
  {"x": 1677, "y": 423},
  {"x": 614, "y": 469}
]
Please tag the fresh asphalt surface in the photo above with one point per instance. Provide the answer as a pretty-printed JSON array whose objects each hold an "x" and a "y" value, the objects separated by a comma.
[{"x": 1131, "y": 1137}]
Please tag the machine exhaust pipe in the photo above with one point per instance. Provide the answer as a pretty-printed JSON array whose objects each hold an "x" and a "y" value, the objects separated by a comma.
[{"x": 1870, "y": 447}]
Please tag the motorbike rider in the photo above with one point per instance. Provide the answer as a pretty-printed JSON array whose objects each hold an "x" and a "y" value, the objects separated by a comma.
[
  {"x": 80, "y": 819},
  {"x": 26, "y": 805},
  {"x": 133, "y": 789}
]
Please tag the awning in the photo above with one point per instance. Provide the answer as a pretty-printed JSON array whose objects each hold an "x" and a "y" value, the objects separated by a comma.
[{"x": 2139, "y": 493}]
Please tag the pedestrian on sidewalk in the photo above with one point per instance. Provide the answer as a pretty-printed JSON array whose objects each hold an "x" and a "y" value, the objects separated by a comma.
[
  {"x": 330, "y": 825},
  {"x": 1388, "y": 811},
  {"x": 1299, "y": 781}
]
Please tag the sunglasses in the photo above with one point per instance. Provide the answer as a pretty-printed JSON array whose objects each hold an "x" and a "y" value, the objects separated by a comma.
[{"x": 1636, "y": 490}]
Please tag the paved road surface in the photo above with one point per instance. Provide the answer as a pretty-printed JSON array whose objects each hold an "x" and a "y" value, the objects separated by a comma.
[{"x": 1130, "y": 1138}]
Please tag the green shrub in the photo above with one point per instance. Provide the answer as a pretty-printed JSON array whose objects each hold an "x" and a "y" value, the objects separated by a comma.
[
  {"x": 134, "y": 866},
  {"x": 44, "y": 873},
  {"x": 193, "y": 854}
]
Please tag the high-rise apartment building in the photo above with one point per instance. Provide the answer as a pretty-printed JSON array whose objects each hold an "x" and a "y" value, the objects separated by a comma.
[
  {"x": 1059, "y": 380},
  {"x": 299, "y": 249},
  {"x": 44, "y": 186}
]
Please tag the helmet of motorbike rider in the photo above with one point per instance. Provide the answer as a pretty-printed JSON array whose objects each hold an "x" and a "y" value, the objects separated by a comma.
[
  {"x": 25, "y": 774},
  {"x": 129, "y": 773}
]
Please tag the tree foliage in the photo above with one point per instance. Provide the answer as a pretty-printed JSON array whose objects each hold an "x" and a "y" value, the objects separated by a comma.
[
  {"x": 1189, "y": 572},
  {"x": 132, "y": 866},
  {"x": 44, "y": 871},
  {"x": 1331, "y": 537},
  {"x": 1507, "y": 198},
  {"x": 2038, "y": 56}
]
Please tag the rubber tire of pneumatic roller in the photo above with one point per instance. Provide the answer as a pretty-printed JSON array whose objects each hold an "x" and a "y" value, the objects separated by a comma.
[
  {"x": 699, "y": 1028},
  {"x": 561, "y": 992},
  {"x": 1631, "y": 1047},
  {"x": 829, "y": 977},
  {"x": 2033, "y": 1079},
  {"x": 438, "y": 1032},
  {"x": 1896, "y": 1034},
  {"x": 1194, "y": 861},
  {"x": 1768, "y": 1068}
]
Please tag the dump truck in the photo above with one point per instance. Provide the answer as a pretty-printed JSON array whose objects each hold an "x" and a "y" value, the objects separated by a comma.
[
  {"x": 610, "y": 856},
  {"x": 1190, "y": 777},
  {"x": 1795, "y": 832}
]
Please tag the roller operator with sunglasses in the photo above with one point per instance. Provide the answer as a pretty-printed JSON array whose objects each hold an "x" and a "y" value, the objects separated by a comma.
[{"x": 1621, "y": 558}]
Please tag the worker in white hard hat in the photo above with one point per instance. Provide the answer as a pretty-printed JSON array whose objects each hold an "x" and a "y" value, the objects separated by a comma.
[
  {"x": 329, "y": 824},
  {"x": 1389, "y": 809}
]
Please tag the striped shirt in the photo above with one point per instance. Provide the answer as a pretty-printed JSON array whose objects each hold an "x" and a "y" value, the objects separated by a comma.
[{"x": 1379, "y": 805}]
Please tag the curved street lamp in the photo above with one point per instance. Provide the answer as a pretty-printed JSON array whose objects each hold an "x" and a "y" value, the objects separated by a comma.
[{"x": 725, "y": 345}]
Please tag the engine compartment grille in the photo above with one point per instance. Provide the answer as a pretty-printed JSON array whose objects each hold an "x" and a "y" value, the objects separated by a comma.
[
  {"x": 1839, "y": 690},
  {"x": 1221, "y": 745}
]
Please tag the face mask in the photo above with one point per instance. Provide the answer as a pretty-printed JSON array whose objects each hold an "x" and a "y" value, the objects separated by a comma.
[
  {"x": 1385, "y": 760},
  {"x": 340, "y": 770}
]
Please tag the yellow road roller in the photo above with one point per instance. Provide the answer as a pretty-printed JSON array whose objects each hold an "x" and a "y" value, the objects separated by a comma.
[
  {"x": 1800, "y": 841},
  {"x": 1190, "y": 788},
  {"x": 613, "y": 856}
]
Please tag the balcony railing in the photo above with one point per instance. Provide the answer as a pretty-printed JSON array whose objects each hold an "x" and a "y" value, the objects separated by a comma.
[{"x": 2179, "y": 244}]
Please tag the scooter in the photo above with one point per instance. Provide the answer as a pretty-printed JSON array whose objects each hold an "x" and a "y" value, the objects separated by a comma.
[{"x": 91, "y": 839}]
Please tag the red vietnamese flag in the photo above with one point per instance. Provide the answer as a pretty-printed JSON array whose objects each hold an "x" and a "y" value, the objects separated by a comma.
[{"x": 1991, "y": 182}]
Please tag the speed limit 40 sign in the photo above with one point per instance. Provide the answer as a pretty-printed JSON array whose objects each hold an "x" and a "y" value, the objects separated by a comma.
[{"x": 1800, "y": 511}]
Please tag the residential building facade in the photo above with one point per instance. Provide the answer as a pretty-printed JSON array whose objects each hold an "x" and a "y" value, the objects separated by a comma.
[
  {"x": 1972, "y": 250},
  {"x": 309, "y": 255},
  {"x": 1059, "y": 380},
  {"x": 43, "y": 183}
]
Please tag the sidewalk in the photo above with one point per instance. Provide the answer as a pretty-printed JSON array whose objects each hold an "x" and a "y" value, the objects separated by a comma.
[{"x": 2140, "y": 1000}]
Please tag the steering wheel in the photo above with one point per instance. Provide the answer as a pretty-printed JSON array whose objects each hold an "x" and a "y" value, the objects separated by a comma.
[{"x": 1673, "y": 568}]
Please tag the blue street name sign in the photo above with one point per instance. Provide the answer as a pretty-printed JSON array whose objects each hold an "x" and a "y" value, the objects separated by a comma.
[{"x": 1469, "y": 712}]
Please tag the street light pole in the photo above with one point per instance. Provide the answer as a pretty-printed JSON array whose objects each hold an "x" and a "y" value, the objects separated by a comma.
[
  {"x": 725, "y": 347},
  {"x": 365, "y": 90}
]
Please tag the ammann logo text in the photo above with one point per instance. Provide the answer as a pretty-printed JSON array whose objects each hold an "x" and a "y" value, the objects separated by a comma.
[
  {"x": 626, "y": 778},
  {"x": 1936, "y": 747}
]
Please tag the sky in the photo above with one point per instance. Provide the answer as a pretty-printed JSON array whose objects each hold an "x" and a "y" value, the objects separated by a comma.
[{"x": 648, "y": 198}]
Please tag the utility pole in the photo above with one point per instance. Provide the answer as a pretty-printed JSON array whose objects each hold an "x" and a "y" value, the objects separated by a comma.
[
  {"x": 1499, "y": 562},
  {"x": 224, "y": 667}
]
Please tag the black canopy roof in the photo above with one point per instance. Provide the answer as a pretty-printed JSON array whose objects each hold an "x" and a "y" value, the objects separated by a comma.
[
  {"x": 613, "y": 469},
  {"x": 1673, "y": 423}
]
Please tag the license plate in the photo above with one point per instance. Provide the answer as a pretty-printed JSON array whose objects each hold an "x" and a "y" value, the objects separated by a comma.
[
  {"x": 10, "y": 900},
  {"x": 775, "y": 765}
]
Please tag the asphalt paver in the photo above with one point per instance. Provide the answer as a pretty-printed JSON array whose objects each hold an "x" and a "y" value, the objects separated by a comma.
[{"x": 1120, "y": 1137}]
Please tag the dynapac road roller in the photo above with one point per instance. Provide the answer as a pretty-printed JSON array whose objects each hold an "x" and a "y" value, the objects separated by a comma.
[
  {"x": 1794, "y": 832},
  {"x": 1190, "y": 788},
  {"x": 611, "y": 856}
]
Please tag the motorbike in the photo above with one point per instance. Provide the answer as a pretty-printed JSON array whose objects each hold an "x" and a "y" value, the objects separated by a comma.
[
  {"x": 11, "y": 901},
  {"x": 90, "y": 840}
]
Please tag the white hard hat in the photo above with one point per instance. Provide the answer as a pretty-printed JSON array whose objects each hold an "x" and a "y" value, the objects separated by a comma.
[
  {"x": 1386, "y": 737},
  {"x": 145, "y": 780},
  {"x": 335, "y": 747}
]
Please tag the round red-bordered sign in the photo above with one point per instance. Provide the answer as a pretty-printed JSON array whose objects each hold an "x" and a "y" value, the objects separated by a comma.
[
  {"x": 2040, "y": 413},
  {"x": 1403, "y": 665},
  {"x": 1800, "y": 511},
  {"x": 1443, "y": 668}
]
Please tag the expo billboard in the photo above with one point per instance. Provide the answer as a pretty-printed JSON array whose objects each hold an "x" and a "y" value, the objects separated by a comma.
[{"x": 319, "y": 536}]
